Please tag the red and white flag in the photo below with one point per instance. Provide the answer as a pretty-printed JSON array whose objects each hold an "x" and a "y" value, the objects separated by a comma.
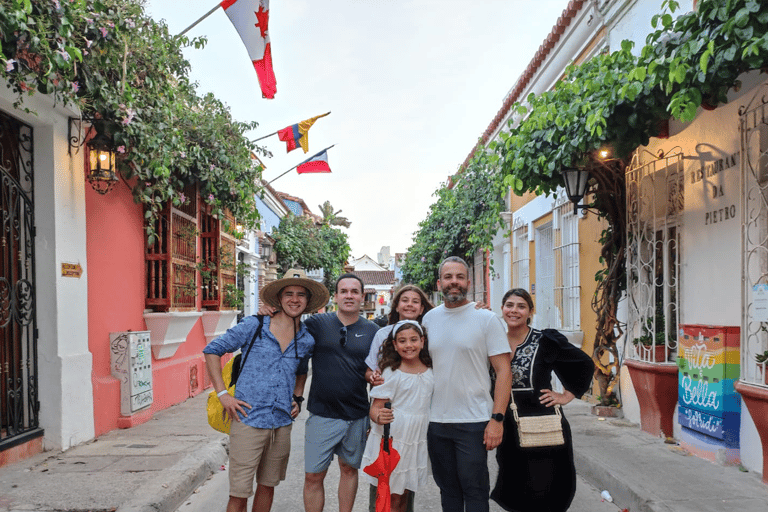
[
  {"x": 317, "y": 163},
  {"x": 251, "y": 20}
]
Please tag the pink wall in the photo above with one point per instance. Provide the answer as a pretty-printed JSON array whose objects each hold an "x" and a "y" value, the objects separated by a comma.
[{"x": 116, "y": 289}]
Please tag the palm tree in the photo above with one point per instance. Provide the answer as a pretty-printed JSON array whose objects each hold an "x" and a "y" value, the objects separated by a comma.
[{"x": 331, "y": 218}]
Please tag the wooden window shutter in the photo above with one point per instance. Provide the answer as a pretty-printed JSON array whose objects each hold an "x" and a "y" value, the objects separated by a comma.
[{"x": 171, "y": 259}]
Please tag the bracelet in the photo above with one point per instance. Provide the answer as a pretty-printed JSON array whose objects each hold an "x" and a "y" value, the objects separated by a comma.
[{"x": 223, "y": 391}]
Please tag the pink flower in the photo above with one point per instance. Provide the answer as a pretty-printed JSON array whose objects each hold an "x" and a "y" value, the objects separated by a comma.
[
  {"x": 9, "y": 64},
  {"x": 129, "y": 117},
  {"x": 423, "y": 259},
  {"x": 210, "y": 198},
  {"x": 75, "y": 86},
  {"x": 183, "y": 154},
  {"x": 103, "y": 32},
  {"x": 56, "y": 3},
  {"x": 182, "y": 197},
  {"x": 213, "y": 167},
  {"x": 130, "y": 23},
  {"x": 64, "y": 55},
  {"x": 121, "y": 149}
]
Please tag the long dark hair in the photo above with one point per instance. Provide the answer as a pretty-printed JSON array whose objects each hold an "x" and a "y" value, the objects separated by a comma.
[
  {"x": 394, "y": 316},
  {"x": 388, "y": 356}
]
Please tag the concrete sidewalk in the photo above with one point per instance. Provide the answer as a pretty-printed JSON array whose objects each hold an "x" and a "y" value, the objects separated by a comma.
[
  {"x": 154, "y": 467},
  {"x": 148, "y": 468},
  {"x": 644, "y": 474}
]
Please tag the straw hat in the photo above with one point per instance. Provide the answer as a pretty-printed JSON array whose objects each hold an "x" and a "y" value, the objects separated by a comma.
[{"x": 296, "y": 277}]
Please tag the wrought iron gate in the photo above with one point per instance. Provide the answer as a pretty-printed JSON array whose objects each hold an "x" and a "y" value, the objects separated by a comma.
[
  {"x": 654, "y": 207},
  {"x": 753, "y": 129},
  {"x": 19, "y": 404}
]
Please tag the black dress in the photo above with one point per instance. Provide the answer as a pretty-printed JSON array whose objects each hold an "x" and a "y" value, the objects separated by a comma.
[{"x": 540, "y": 479}]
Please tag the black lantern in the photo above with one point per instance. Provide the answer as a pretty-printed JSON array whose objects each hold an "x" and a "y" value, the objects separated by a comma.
[
  {"x": 575, "y": 184},
  {"x": 101, "y": 170}
]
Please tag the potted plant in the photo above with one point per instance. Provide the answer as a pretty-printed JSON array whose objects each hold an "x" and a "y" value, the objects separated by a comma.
[
  {"x": 654, "y": 352},
  {"x": 762, "y": 362}
]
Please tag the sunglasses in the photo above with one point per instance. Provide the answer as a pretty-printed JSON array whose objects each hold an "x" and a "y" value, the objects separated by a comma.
[{"x": 343, "y": 333}]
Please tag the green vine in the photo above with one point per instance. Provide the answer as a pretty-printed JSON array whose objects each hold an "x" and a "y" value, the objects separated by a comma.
[
  {"x": 464, "y": 218},
  {"x": 112, "y": 61},
  {"x": 615, "y": 102}
]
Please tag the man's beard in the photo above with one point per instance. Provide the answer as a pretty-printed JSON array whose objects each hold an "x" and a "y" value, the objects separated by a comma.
[{"x": 455, "y": 295}]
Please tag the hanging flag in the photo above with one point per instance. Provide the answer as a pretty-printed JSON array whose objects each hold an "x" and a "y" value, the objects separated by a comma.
[
  {"x": 251, "y": 20},
  {"x": 317, "y": 163},
  {"x": 296, "y": 134}
]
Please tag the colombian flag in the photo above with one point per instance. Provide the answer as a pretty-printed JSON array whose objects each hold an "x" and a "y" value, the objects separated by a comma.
[
  {"x": 317, "y": 163},
  {"x": 296, "y": 134}
]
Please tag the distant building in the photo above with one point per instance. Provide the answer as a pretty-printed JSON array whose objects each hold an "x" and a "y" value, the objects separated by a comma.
[{"x": 379, "y": 284}]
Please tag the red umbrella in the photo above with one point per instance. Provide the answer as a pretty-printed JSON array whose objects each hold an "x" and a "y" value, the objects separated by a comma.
[{"x": 381, "y": 469}]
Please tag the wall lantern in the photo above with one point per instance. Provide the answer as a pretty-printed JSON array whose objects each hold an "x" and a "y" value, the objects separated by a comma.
[
  {"x": 575, "y": 184},
  {"x": 266, "y": 251},
  {"x": 100, "y": 172}
]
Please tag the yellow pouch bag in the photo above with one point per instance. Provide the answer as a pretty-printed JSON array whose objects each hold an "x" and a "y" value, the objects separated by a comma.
[
  {"x": 214, "y": 408},
  {"x": 216, "y": 414}
]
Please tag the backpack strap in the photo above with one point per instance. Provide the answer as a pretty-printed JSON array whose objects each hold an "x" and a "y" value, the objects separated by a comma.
[{"x": 257, "y": 334}]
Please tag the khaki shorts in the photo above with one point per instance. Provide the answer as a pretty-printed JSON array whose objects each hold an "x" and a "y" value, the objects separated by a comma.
[{"x": 263, "y": 452}]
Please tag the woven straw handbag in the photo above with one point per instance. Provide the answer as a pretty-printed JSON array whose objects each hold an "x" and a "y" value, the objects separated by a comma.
[{"x": 537, "y": 431}]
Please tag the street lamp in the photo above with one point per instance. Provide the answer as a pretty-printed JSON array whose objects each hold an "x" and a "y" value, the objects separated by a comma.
[{"x": 575, "y": 184}]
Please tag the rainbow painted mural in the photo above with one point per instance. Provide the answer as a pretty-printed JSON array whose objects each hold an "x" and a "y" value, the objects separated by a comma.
[{"x": 709, "y": 409}]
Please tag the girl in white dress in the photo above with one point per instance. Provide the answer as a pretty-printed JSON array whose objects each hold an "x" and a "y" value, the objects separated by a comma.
[{"x": 408, "y": 384}]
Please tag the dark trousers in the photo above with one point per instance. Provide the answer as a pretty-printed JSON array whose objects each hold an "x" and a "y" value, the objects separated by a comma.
[{"x": 460, "y": 465}]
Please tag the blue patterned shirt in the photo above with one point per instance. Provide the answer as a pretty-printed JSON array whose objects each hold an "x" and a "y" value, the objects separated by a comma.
[{"x": 268, "y": 377}]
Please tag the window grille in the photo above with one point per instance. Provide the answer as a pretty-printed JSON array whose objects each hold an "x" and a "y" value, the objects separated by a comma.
[
  {"x": 654, "y": 205},
  {"x": 173, "y": 261},
  {"x": 520, "y": 256},
  {"x": 753, "y": 131},
  {"x": 567, "y": 283}
]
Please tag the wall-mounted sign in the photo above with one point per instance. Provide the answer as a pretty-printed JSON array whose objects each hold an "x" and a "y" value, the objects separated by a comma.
[
  {"x": 716, "y": 191},
  {"x": 71, "y": 270},
  {"x": 760, "y": 303}
]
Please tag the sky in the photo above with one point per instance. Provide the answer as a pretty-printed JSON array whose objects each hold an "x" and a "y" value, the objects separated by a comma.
[{"x": 411, "y": 86}]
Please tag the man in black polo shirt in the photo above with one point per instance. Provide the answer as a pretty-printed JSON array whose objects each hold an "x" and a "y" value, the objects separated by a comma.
[{"x": 338, "y": 398}]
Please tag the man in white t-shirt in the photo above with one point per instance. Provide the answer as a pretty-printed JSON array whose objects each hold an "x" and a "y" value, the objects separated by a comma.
[{"x": 465, "y": 422}]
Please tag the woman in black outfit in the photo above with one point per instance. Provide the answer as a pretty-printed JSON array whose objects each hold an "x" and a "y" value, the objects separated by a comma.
[{"x": 538, "y": 479}]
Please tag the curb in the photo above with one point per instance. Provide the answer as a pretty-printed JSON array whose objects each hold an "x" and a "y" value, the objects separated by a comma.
[
  {"x": 622, "y": 492},
  {"x": 174, "y": 485}
]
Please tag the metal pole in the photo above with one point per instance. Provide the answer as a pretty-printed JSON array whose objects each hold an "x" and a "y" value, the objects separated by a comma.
[
  {"x": 286, "y": 172},
  {"x": 199, "y": 20},
  {"x": 298, "y": 164},
  {"x": 264, "y": 137}
]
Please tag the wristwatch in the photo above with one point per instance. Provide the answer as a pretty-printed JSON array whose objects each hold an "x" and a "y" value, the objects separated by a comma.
[
  {"x": 298, "y": 399},
  {"x": 498, "y": 416}
]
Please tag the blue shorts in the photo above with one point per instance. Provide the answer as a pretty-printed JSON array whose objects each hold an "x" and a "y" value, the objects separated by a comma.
[{"x": 324, "y": 437}]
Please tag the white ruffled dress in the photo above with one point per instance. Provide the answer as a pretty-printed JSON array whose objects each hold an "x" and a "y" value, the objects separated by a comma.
[{"x": 411, "y": 395}]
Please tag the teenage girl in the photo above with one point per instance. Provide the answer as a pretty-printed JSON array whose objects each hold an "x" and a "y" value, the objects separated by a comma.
[{"x": 408, "y": 384}]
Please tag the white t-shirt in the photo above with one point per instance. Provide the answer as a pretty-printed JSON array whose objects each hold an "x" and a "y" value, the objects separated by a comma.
[
  {"x": 378, "y": 340},
  {"x": 460, "y": 342}
]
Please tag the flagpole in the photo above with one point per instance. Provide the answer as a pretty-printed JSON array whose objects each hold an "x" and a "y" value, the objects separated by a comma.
[
  {"x": 286, "y": 172},
  {"x": 264, "y": 137},
  {"x": 199, "y": 20},
  {"x": 298, "y": 164}
]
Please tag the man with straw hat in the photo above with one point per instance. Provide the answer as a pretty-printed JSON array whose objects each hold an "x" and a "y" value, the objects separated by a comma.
[{"x": 269, "y": 391}]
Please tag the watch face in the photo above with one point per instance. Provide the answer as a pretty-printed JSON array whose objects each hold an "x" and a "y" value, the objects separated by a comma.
[{"x": 498, "y": 416}]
